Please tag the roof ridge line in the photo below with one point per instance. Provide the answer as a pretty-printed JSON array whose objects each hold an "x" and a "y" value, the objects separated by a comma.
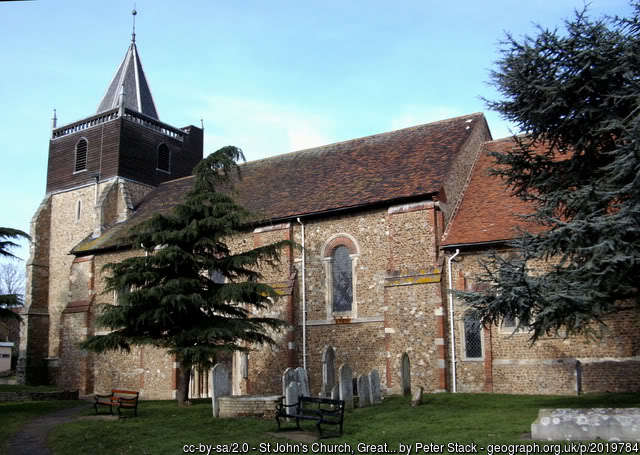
[
  {"x": 282, "y": 155},
  {"x": 465, "y": 187}
]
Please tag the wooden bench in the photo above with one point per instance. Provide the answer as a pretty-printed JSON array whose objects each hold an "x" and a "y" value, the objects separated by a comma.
[
  {"x": 324, "y": 411},
  {"x": 118, "y": 399}
]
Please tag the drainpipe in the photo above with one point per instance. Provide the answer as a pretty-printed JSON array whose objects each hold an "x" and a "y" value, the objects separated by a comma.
[
  {"x": 97, "y": 177},
  {"x": 451, "y": 334},
  {"x": 304, "y": 305}
]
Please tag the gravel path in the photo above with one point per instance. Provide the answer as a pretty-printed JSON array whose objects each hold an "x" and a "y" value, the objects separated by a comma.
[{"x": 32, "y": 439}]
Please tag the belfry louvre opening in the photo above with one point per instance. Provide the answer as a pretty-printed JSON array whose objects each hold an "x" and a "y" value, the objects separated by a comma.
[{"x": 81, "y": 155}]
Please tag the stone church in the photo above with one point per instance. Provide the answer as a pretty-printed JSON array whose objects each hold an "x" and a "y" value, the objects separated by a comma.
[{"x": 388, "y": 223}]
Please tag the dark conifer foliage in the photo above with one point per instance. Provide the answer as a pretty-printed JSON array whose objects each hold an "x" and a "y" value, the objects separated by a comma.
[
  {"x": 7, "y": 237},
  {"x": 169, "y": 297},
  {"x": 575, "y": 93}
]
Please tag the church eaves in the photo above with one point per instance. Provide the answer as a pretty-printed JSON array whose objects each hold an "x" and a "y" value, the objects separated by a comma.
[
  {"x": 410, "y": 164},
  {"x": 130, "y": 77}
]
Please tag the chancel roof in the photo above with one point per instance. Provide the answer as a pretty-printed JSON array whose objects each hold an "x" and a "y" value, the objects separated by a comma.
[
  {"x": 131, "y": 79},
  {"x": 402, "y": 165},
  {"x": 488, "y": 212}
]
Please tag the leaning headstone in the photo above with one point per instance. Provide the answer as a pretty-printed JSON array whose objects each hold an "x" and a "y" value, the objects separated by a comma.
[
  {"x": 345, "y": 385},
  {"x": 328, "y": 370},
  {"x": 364, "y": 391},
  {"x": 406, "y": 375},
  {"x": 292, "y": 394},
  {"x": 374, "y": 382},
  {"x": 416, "y": 397},
  {"x": 335, "y": 392},
  {"x": 288, "y": 377},
  {"x": 220, "y": 386},
  {"x": 303, "y": 379}
]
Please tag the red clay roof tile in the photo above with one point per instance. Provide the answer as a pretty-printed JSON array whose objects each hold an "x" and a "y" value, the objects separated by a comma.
[
  {"x": 398, "y": 165},
  {"x": 488, "y": 211}
]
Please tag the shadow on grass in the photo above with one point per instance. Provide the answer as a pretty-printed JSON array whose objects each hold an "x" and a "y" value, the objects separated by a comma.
[{"x": 164, "y": 428}]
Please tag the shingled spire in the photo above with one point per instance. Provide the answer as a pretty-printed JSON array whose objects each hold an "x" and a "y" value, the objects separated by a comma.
[{"x": 137, "y": 95}]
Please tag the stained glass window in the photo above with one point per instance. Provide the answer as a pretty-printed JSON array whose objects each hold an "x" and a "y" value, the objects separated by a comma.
[{"x": 342, "y": 279}]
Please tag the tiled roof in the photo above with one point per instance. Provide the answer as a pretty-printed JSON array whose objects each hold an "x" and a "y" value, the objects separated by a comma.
[
  {"x": 398, "y": 165},
  {"x": 488, "y": 211}
]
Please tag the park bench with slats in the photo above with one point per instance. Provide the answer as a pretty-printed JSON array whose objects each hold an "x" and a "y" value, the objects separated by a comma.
[{"x": 118, "y": 399}]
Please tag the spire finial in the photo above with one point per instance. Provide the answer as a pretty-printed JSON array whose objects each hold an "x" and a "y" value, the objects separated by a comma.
[
  {"x": 133, "y": 34},
  {"x": 54, "y": 123}
]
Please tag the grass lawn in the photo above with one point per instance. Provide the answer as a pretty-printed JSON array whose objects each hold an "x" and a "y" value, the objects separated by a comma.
[
  {"x": 483, "y": 419},
  {"x": 14, "y": 414},
  {"x": 27, "y": 388}
]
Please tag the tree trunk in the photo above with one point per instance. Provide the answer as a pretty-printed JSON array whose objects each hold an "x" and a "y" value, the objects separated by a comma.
[{"x": 184, "y": 376}]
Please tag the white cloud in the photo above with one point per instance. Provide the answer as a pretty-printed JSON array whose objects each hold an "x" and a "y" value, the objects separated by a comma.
[{"x": 260, "y": 128}]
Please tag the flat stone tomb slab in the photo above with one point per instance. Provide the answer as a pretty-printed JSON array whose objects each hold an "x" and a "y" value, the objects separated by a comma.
[{"x": 609, "y": 424}]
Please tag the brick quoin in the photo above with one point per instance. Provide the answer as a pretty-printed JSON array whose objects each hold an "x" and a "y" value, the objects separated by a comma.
[{"x": 488, "y": 360}]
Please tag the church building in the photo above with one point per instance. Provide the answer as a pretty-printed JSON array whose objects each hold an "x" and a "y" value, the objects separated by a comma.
[{"x": 388, "y": 224}]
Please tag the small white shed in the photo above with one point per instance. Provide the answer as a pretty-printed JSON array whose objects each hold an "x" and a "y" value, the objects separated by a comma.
[{"x": 5, "y": 355}]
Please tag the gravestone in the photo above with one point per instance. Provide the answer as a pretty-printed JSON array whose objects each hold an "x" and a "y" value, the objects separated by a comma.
[
  {"x": 345, "y": 385},
  {"x": 328, "y": 370},
  {"x": 406, "y": 375},
  {"x": 364, "y": 391},
  {"x": 374, "y": 383},
  {"x": 292, "y": 394},
  {"x": 607, "y": 424},
  {"x": 416, "y": 397},
  {"x": 290, "y": 375},
  {"x": 335, "y": 392},
  {"x": 220, "y": 385},
  {"x": 303, "y": 380},
  {"x": 244, "y": 365}
]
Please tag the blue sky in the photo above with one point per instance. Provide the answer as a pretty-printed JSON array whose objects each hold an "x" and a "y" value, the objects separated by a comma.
[{"x": 269, "y": 77}]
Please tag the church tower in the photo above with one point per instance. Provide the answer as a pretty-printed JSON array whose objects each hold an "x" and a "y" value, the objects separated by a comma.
[{"x": 99, "y": 168}]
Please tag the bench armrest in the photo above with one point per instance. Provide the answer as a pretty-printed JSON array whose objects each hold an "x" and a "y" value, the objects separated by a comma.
[{"x": 285, "y": 408}]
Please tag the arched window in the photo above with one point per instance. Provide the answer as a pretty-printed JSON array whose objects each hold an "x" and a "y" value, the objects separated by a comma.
[
  {"x": 164, "y": 158},
  {"x": 340, "y": 255},
  {"x": 81, "y": 155},
  {"x": 342, "y": 279}
]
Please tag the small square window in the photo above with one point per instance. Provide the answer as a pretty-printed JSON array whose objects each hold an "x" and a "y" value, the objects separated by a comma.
[{"x": 510, "y": 326}]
